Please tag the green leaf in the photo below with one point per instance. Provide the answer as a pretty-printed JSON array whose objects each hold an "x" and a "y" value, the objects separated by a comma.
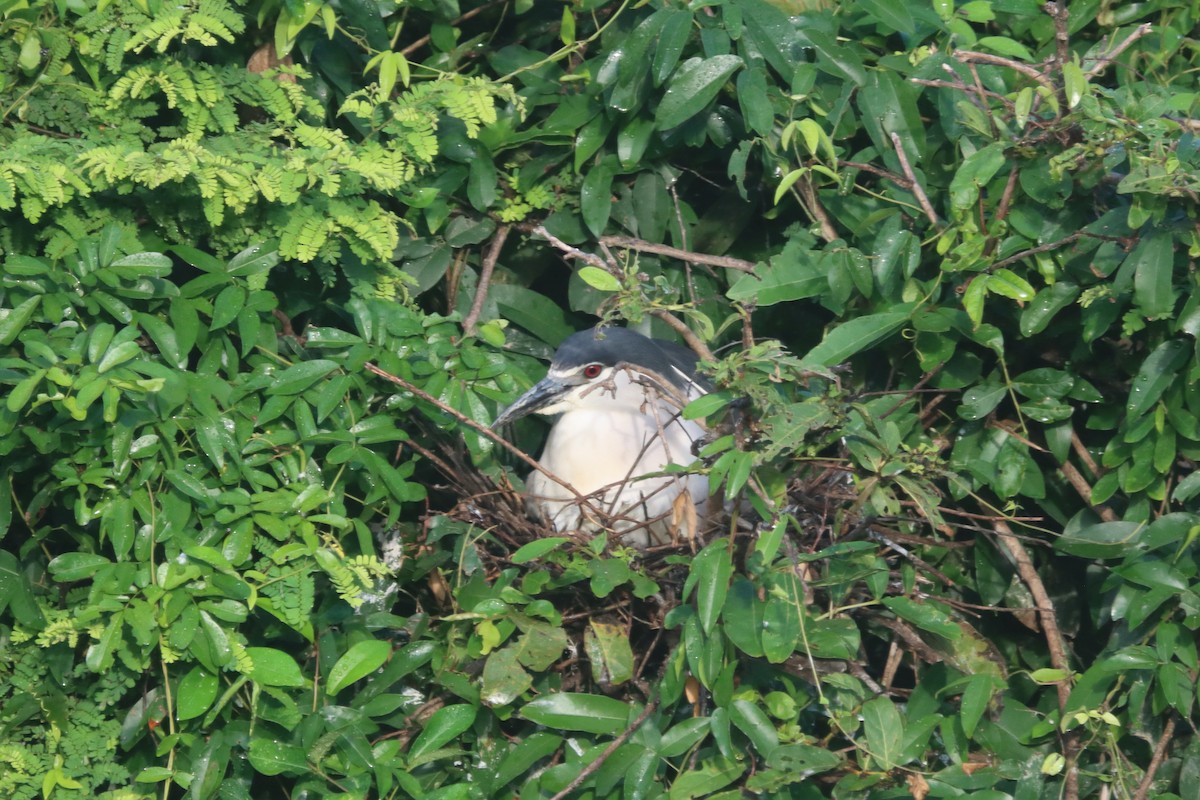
[
  {"x": 836, "y": 58},
  {"x": 784, "y": 279},
  {"x": 692, "y": 88},
  {"x": 1157, "y": 372},
  {"x": 356, "y": 663},
  {"x": 71, "y": 567},
  {"x": 13, "y": 320},
  {"x": 100, "y": 654},
  {"x": 537, "y": 548},
  {"x": 117, "y": 355},
  {"x": 298, "y": 377},
  {"x": 227, "y": 306},
  {"x": 781, "y": 627},
  {"x": 271, "y": 757},
  {"x": 1102, "y": 540},
  {"x": 1007, "y": 47},
  {"x": 770, "y": 32},
  {"x": 608, "y": 649},
  {"x": 894, "y": 15},
  {"x": 681, "y": 737},
  {"x": 750, "y": 720},
  {"x": 504, "y": 680},
  {"x": 1045, "y": 305},
  {"x": 676, "y": 28},
  {"x": 16, "y": 594},
  {"x": 595, "y": 198},
  {"x": 195, "y": 693},
  {"x": 444, "y": 726},
  {"x": 856, "y": 335},
  {"x": 272, "y": 667},
  {"x": 711, "y": 775},
  {"x": 599, "y": 279},
  {"x": 975, "y": 701},
  {"x": 974, "y": 174},
  {"x": 163, "y": 336},
  {"x": 711, "y": 570},
  {"x": 253, "y": 260},
  {"x": 524, "y": 754},
  {"x": 743, "y": 617},
  {"x": 754, "y": 102},
  {"x": 19, "y": 395},
  {"x": 883, "y": 728},
  {"x": 1154, "y": 266},
  {"x": 572, "y": 711},
  {"x": 1075, "y": 83},
  {"x": 1007, "y": 283}
]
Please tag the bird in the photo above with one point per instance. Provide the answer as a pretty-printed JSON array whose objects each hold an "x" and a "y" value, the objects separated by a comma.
[{"x": 618, "y": 397}]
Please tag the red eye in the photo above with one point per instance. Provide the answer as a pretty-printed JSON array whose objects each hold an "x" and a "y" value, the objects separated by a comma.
[{"x": 592, "y": 371}]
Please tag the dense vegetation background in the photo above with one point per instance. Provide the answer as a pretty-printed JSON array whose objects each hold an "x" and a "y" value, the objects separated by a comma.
[{"x": 237, "y": 561}]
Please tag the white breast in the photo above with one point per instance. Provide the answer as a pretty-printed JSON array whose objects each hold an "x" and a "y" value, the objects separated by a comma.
[{"x": 604, "y": 449}]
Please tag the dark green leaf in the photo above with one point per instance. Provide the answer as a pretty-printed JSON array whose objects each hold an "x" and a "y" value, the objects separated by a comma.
[
  {"x": 444, "y": 726},
  {"x": 356, "y": 663},
  {"x": 692, "y": 88},
  {"x": 578, "y": 712}
]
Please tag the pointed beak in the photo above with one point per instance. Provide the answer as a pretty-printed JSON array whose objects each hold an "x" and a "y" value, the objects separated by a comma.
[{"x": 543, "y": 394}]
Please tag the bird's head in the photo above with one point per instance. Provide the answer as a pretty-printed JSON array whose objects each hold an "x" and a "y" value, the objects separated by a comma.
[{"x": 598, "y": 367}]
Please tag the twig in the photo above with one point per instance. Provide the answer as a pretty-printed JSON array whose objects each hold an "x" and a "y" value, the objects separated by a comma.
[
  {"x": 1041, "y": 248},
  {"x": 1005, "y": 202},
  {"x": 1107, "y": 58},
  {"x": 591, "y": 259},
  {"x": 1084, "y": 455},
  {"x": 483, "y": 430},
  {"x": 642, "y": 246},
  {"x": 1041, "y": 599},
  {"x": 1081, "y": 486},
  {"x": 693, "y": 341},
  {"x": 922, "y": 198},
  {"x": 811, "y": 201},
  {"x": 974, "y": 57},
  {"x": 1160, "y": 755},
  {"x": 902, "y": 182},
  {"x": 960, "y": 86},
  {"x": 485, "y": 279},
  {"x": 1054, "y": 642},
  {"x": 1062, "y": 37},
  {"x": 474, "y": 12},
  {"x": 587, "y": 771}
]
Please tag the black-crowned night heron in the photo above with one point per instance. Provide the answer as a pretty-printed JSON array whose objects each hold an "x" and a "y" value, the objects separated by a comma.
[{"x": 618, "y": 397}]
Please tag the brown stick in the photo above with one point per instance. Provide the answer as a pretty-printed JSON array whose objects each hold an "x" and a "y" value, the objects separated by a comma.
[
  {"x": 973, "y": 57},
  {"x": 1054, "y": 642},
  {"x": 677, "y": 325},
  {"x": 642, "y": 246},
  {"x": 1160, "y": 755},
  {"x": 424, "y": 40},
  {"x": 1081, "y": 486},
  {"x": 960, "y": 86},
  {"x": 1045, "y": 608},
  {"x": 809, "y": 193},
  {"x": 1005, "y": 201},
  {"x": 591, "y": 259},
  {"x": 917, "y": 190},
  {"x": 1085, "y": 456},
  {"x": 1041, "y": 248},
  {"x": 1107, "y": 58},
  {"x": 473, "y": 425},
  {"x": 587, "y": 771},
  {"x": 1062, "y": 38},
  {"x": 485, "y": 279}
]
